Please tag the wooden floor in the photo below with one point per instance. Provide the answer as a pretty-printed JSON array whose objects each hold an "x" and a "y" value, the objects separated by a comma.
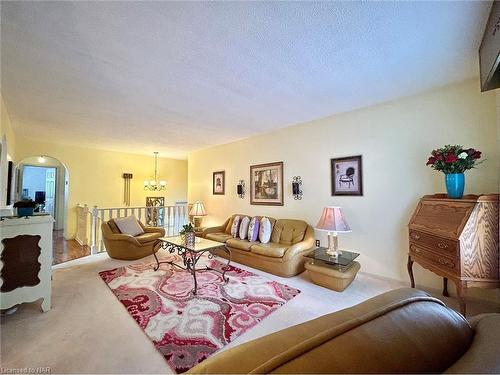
[{"x": 64, "y": 250}]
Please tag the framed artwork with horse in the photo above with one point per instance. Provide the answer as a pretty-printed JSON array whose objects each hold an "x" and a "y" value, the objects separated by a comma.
[{"x": 347, "y": 175}]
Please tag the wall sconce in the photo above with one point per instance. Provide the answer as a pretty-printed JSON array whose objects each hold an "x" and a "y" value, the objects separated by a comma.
[
  {"x": 240, "y": 189},
  {"x": 296, "y": 190}
]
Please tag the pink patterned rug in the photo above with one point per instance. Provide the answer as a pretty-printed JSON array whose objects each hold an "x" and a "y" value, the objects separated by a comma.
[{"x": 185, "y": 328}]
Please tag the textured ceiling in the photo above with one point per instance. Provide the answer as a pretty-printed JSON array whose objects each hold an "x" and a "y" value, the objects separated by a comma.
[{"x": 179, "y": 76}]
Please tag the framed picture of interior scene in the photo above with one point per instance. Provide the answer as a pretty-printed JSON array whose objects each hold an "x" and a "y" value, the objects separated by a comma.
[
  {"x": 219, "y": 182},
  {"x": 347, "y": 176},
  {"x": 266, "y": 184}
]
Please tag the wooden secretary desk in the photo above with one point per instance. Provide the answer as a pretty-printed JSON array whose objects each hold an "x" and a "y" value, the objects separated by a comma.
[{"x": 458, "y": 240}]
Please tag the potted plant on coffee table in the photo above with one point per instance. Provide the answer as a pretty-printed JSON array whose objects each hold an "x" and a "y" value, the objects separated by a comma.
[
  {"x": 453, "y": 161},
  {"x": 25, "y": 207},
  {"x": 188, "y": 235}
]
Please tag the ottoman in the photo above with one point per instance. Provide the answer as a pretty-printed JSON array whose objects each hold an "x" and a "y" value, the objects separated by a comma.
[{"x": 330, "y": 277}]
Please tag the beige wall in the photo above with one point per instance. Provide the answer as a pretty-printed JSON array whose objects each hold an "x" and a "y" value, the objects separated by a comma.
[
  {"x": 394, "y": 138},
  {"x": 95, "y": 176},
  {"x": 6, "y": 130},
  {"x": 8, "y": 152}
]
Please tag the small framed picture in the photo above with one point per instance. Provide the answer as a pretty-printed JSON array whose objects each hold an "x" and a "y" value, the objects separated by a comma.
[
  {"x": 219, "y": 182},
  {"x": 347, "y": 176},
  {"x": 266, "y": 184}
]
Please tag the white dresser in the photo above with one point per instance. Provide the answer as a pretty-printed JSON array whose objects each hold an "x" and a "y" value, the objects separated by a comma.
[{"x": 26, "y": 260}]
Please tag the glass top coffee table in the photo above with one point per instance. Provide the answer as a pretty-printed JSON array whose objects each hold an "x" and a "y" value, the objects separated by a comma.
[
  {"x": 341, "y": 263},
  {"x": 191, "y": 255}
]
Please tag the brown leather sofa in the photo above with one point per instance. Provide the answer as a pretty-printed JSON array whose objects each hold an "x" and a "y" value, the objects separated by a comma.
[
  {"x": 127, "y": 247},
  {"x": 282, "y": 256},
  {"x": 401, "y": 331}
]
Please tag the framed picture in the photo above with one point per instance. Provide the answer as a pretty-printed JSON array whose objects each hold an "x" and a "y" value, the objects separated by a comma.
[
  {"x": 347, "y": 176},
  {"x": 219, "y": 182},
  {"x": 266, "y": 184}
]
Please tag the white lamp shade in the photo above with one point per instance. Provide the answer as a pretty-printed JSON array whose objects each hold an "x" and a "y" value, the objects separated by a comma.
[
  {"x": 332, "y": 220},
  {"x": 198, "y": 209}
]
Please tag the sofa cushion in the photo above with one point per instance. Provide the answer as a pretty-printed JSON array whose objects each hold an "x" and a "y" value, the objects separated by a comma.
[
  {"x": 265, "y": 230},
  {"x": 240, "y": 244},
  {"x": 235, "y": 227},
  {"x": 245, "y": 222},
  {"x": 220, "y": 237},
  {"x": 230, "y": 222},
  {"x": 148, "y": 237},
  {"x": 289, "y": 232},
  {"x": 129, "y": 225},
  {"x": 271, "y": 249},
  {"x": 253, "y": 229},
  {"x": 482, "y": 356}
]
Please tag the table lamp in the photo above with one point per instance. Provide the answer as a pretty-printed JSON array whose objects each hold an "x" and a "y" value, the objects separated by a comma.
[
  {"x": 197, "y": 212},
  {"x": 332, "y": 220}
]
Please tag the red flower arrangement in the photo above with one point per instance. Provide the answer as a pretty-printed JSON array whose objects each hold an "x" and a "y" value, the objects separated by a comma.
[{"x": 454, "y": 159}]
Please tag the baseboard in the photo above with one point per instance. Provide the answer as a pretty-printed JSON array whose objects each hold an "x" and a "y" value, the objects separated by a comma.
[{"x": 438, "y": 292}]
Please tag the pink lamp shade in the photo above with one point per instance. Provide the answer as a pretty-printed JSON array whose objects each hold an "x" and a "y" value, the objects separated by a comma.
[
  {"x": 332, "y": 220},
  {"x": 198, "y": 209}
]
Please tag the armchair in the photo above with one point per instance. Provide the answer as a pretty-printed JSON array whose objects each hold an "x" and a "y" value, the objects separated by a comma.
[{"x": 127, "y": 247}]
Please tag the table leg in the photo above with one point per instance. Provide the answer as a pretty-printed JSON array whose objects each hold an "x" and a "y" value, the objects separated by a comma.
[
  {"x": 155, "y": 268},
  {"x": 410, "y": 271},
  {"x": 445, "y": 287},
  {"x": 226, "y": 267},
  {"x": 192, "y": 263},
  {"x": 461, "y": 297}
]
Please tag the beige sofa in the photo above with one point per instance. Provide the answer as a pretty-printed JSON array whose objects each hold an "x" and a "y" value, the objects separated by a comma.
[
  {"x": 282, "y": 256},
  {"x": 401, "y": 331}
]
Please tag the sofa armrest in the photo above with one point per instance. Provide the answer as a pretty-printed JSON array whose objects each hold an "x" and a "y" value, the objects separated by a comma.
[
  {"x": 219, "y": 229},
  {"x": 296, "y": 349},
  {"x": 154, "y": 230},
  {"x": 302, "y": 247}
]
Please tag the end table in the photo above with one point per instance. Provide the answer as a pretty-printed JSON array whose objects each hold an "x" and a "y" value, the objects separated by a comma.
[{"x": 332, "y": 273}]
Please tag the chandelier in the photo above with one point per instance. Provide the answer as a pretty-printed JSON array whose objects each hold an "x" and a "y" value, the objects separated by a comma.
[{"x": 155, "y": 184}]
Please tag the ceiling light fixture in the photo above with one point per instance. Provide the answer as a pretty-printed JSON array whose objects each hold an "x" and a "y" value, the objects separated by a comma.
[{"x": 155, "y": 184}]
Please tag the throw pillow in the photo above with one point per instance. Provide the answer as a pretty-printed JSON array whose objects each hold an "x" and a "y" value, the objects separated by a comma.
[
  {"x": 245, "y": 222},
  {"x": 265, "y": 230},
  {"x": 235, "y": 228},
  {"x": 253, "y": 229},
  {"x": 129, "y": 225}
]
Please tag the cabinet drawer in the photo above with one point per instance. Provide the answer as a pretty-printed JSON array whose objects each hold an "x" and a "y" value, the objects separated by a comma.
[
  {"x": 436, "y": 243},
  {"x": 442, "y": 262}
]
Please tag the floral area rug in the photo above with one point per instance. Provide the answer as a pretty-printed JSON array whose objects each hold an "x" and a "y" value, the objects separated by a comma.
[{"x": 189, "y": 328}]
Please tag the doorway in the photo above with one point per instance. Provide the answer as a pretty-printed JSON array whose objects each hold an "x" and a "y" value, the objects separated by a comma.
[
  {"x": 45, "y": 180},
  {"x": 39, "y": 185}
]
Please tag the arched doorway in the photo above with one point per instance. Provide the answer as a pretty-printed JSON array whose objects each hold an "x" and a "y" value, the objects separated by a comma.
[{"x": 45, "y": 180}]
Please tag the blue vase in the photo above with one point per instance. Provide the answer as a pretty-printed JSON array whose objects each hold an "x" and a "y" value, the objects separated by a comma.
[{"x": 455, "y": 183}]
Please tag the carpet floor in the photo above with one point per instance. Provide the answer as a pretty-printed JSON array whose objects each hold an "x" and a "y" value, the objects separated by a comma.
[
  {"x": 188, "y": 328},
  {"x": 88, "y": 330}
]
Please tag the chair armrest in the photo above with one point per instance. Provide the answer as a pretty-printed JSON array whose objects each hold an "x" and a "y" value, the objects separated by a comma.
[
  {"x": 154, "y": 230},
  {"x": 121, "y": 237},
  {"x": 302, "y": 247}
]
